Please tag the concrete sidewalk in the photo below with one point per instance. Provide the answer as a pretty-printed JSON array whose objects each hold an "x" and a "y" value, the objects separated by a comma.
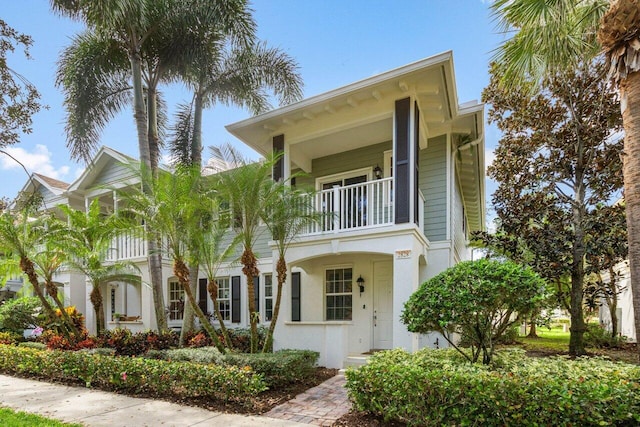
[{"x": 98, "y": 408}]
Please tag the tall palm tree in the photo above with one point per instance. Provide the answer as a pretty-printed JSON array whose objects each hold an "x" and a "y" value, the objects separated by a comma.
[
  {"x": 248, "y": 190},
  {"x": 230, "y": 73},
  {"x": 157, "y": 39},
  {"x": 87, "y": 239},
  {"x": 289, "y": 213},
  {"x": 552, "y": 35},
  {"x": 174, "y": 207}
]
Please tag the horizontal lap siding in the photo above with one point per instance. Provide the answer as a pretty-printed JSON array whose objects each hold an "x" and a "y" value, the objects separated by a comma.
[
  {"x": 114, "y": 172},
  {"x": 369, "y": 156},
  {"x": 433, "y": 184}
]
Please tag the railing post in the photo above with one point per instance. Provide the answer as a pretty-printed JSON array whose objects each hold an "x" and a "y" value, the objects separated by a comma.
[{"x": 336, "y": 208}]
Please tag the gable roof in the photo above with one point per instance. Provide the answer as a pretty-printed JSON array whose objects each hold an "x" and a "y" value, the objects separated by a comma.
[
  {"x": 52, "y": 182},
  {"x": 102, "y": 159}
]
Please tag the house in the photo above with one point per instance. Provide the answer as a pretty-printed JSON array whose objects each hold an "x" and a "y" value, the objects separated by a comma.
[
  {"x": 399, "y": 164},
  {"x": 624, "y": 307}
]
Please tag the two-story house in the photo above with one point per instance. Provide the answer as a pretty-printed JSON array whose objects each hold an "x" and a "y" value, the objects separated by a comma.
[{"x": 398, "y": 164}]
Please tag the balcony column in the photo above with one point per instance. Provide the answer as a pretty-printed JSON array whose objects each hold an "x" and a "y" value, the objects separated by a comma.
[
  {"x": 115, "y": 202},
  {"x": 406, "y": 277}
]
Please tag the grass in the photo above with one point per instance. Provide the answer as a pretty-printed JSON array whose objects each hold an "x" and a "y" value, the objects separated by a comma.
[
  {"x": 12, "y": 418},
  {"x": 555, "y": 339}
]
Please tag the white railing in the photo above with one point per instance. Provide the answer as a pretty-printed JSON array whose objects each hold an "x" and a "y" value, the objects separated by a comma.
[
  {"x": 128, "y": 245},
  {"x": 352, "y": 207}
]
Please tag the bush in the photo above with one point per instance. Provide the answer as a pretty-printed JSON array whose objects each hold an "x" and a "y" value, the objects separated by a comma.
[
  {"x": 19, "y": 314},
  {"x": 598, "y": 337},
  {"x": 438, "y": 387},
  {"x": 477, "y": 299},
  {"x": 33, "y": 344},
  {"x": 279, "y": 368},
  {"x": 240, "y": 338},
  {"x": 56, "y": 341},
  {"x": 206, "y": 355},
  {"x": 134, "y": 374},
  {"x": 510, "y": 336},
  {"x": 7, "y": 337}
]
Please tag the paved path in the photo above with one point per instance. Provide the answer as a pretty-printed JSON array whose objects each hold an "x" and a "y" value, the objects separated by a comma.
[
  {"x": 98, "y": 408},
  {"x": 321, "y": 405}
]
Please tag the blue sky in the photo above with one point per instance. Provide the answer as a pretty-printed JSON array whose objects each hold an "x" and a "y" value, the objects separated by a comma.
[{"x": 335, "y": 42}]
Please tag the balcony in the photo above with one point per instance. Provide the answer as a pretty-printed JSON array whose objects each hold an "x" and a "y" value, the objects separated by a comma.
[
  {"x": 128, "y": 245},
  {"x": 353, "y": 207}
]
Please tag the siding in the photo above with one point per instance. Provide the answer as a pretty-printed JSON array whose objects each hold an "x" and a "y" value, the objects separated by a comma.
[
  {"x": 261, "y": 247},
  {"x": 433, "y": 184},
  {"x": 112, "y": 173},
  {"x": 369, "y": 156},
  {"x": 47, "y": 196}
]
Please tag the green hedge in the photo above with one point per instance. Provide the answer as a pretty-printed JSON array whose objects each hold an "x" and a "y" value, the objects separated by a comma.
[
  {"x": 279, "y": 368},
  {"x": 134, "y": 374},
  {"x": 437, "y": 387}
]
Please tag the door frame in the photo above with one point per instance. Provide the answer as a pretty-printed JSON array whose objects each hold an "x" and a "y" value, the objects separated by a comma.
[{"x": 368, "y": 171}]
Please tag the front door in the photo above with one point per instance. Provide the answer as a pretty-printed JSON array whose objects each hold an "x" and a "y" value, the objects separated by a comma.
[{"x": 382, "y": 305}]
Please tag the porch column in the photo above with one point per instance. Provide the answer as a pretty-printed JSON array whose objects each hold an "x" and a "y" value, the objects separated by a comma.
[
  {"x": 89, "y": 314},
  {"x": 406, "y": 277}
]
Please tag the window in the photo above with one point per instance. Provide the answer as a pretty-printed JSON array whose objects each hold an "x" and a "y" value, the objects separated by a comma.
[
  {"x": 338, "y": 284},
  {"x": 224, "y": 297},
  {"x": 268, "y": 298},
  {"x": 176, "y": 301}
]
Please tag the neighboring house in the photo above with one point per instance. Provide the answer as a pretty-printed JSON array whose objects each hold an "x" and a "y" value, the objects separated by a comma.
[
  {"x": 400, "y": 165},
  {"x": 624, "y": 310}
]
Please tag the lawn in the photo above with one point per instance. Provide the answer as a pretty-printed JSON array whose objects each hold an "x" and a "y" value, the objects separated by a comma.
[
  {"x": 548, "y": 340},
  {"x": 12, "y": 418}
]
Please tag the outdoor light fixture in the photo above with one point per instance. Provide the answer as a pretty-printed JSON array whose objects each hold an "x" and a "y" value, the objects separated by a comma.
[
  {"x": 377, "y": 171},
  {"x": 360, "y": 283}
]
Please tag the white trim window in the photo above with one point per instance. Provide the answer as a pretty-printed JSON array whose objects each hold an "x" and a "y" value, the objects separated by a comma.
[
  {"x": 176, "y": 301},
  {"x": 268, "y": 297},
  {"x": 339, "y": 293},
  {"x": 224, "y": 297}
]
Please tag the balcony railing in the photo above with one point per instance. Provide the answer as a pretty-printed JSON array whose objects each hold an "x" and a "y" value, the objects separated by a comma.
[
  {"x": 128, "y": 245},
  {"x": 353, "y": 207}
]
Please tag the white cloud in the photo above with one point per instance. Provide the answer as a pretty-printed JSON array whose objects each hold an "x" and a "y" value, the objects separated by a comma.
[
  {"x": 489, "y": 157},
  {"x": 38, "y": 161}
]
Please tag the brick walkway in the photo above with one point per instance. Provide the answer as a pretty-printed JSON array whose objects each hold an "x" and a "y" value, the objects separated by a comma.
[{"x": 321, "y": 405}]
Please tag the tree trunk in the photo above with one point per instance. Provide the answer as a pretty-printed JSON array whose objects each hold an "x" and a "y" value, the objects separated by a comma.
[
  {"x": 578, "y": 327},
  {"x": 153, "y": 134},
  {"x": 154, "y": 258},
  {"x": 52, "y": 290},
  {"x": 181, "y": 271},
  {"x": 251, "y": 271},
  {"x": 532, "y": 329},
  {"x": 188, "y": 318},
  {"x": 26, "y": 265},
  {"x": 196, "y": 142},
  {"x": 96, "y": 300},
  {"x": 212, "y": 288},
  {"x": 281, "y": 270},
  {"x": 630, "y": 92}
]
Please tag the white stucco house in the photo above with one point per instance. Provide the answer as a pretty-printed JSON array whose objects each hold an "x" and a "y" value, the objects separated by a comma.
[
  {"x": 624, "y": 309},
  {"x": 397, "y": 160}
]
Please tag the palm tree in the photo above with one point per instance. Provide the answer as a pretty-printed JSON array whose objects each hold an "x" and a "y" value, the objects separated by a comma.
[
  {"x": 229, "y": 73},
  {"x": 130, "y": 48},
  {"x": 553, "y": 35},
  {"x": 248, "y": 190},
  {"x": 20, "y": 234},
  {"x": 87, "y": 239},
  {"x": 174, "y": 207},
  {"x": 289, "y": 213}
]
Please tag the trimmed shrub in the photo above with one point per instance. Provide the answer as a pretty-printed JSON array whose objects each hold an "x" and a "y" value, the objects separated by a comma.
[
  {"x": 279, "y": 368},
  {"x": 438, "y": 387},
  {"x": 205, "y": 355},
  {"x": 55, "y": 341},
  {"x": 33, "y": 344},
  {"x": 135, "y": 374}
]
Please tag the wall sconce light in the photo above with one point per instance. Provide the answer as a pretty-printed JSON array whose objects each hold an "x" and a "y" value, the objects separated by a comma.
[
  {"x": 360, "y": 283},
  {"x": 377, "y": 171}
]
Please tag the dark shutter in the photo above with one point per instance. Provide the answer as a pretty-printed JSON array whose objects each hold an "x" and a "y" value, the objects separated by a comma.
[
  {"x": 401, "y": 166},
  {"x": 295, "y": 297},
  {"x": 278, "y": 147},
  {"x": 235, "y": 299},
  {"x": 416, "y": 166},
  {"x": 256, "y": 291},
  {"x": 202, "y": 295}
]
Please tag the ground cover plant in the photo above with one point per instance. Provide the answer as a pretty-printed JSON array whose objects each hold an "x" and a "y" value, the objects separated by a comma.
[{"x": 440, "y": 387}]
